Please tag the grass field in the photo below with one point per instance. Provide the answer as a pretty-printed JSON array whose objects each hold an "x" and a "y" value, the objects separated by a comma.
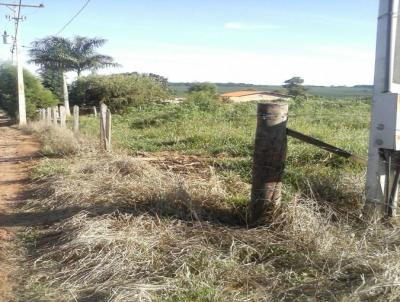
[
  {"x": 223, "y": 136},
  {"x": 168, "y": 223}
]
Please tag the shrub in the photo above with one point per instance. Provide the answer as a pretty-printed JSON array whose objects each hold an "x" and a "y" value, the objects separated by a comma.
[
  {"x": 202, "y": 100},
  {"x": 36, "y": 95},
  {"x": 203, "y": 87},
  {"x": 119, "y": 92},
  {"x": 203, "y": 96}
]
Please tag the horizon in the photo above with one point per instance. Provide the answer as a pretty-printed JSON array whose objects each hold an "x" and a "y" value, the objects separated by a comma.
[{"x": 257, "y": 42}]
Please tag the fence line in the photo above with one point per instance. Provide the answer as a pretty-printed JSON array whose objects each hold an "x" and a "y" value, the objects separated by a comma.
[
  {"x": 57, "y": 116},
  {"x": 269, "y": 150}
]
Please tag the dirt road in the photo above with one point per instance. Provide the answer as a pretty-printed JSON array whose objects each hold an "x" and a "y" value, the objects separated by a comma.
[{"x": 17, "y": 153}]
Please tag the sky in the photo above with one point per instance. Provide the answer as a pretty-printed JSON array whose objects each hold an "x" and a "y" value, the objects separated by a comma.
[{"x": 243, "y": 41}]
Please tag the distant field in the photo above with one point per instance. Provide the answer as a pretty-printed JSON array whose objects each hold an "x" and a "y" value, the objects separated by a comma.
[{"x": 361, "y": 91}]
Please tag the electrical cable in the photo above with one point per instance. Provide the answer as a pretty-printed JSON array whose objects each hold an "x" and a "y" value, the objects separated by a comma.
[{"x": 73, "y": 18}]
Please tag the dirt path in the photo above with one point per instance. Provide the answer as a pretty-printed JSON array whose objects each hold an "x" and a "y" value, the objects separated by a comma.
[{"x": 17, "y": 152}]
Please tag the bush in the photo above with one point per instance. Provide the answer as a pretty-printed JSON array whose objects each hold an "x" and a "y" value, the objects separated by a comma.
[
  {"x": 203, "y": 87},
  {"x": 203, "y": 101},
  {"x": 36, "y": 95},
  {"x": 203, "y": 96},
  {"x": 119, "y": 92}
]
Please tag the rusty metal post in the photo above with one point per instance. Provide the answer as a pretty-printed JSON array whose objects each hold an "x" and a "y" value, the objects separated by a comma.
[{"x": 269, "y": 160}]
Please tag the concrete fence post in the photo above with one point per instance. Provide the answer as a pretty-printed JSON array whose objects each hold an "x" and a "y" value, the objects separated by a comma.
[
  {"x": 42, "y": 114},
  {"x": 108, "y": 130},
  {"x": 269, "y": 160},
  {"x": 48, "y": 115},
  {"x": 102, "y": 116},
  {"x": 76, "y": 119},
  {"x": 54, "y": 115},
  {"x": 105, "y": 127},
  {"x": 94, "y": 111},
  {"x": 63, "y": 117}
]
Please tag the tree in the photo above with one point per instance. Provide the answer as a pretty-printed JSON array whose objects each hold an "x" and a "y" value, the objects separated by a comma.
[
  {"x": 203, "y": 96},
  {"x": 36, "y": 95},
  {"x": 119, "y": 92},
  {"x": 53, "y": 80},
  {"x": 77, "y": 54},
  {"x": 208, "y": 88},
  {"x": 295, "y": 88}
]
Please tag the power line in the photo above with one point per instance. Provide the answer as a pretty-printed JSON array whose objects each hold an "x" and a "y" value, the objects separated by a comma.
[
  {"x": 17, "y": 24},
  {"x": 73, "y": 18}
]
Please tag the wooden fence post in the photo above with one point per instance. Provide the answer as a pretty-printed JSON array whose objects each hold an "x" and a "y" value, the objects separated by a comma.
[
  {"x": 54, "y": 115},
  {"x": 48, "y": 116},
  {"x": 63, "y": 117},
  {"x": 76, "y": 119},
  {"x": 269, "y": 160},
  {"x": 94, "y": 111}
]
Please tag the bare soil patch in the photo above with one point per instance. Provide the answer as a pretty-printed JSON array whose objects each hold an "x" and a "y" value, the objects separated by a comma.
[{"x": 17, "y": 154}]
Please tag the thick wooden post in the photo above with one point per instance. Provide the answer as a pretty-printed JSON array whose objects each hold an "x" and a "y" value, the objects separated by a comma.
[
  {"x": 54, "y": 115},
  {"x": 269, "y": 160},
  {"x": 76, "y": 119},
  {"x": 63, "y": 117},
  {"x": 48, "y": 116},
  {"x": 94, "y": 111}
]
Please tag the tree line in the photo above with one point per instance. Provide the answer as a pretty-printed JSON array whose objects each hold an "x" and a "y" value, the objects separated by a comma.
[{"x": 55, "y": 56}]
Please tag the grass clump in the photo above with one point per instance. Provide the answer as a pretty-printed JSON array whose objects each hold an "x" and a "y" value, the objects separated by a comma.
[{"x": 56, "y": 141}]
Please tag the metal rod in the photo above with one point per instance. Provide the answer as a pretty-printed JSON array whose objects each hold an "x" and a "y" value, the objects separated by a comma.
[
  {"x": 22, "y": 5},
  {"x": 391, "y": 206},
  {"x": 325, "y": 146}
]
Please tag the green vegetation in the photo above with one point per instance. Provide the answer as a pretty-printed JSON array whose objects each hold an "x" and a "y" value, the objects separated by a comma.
[
  {"x": 77, "y": 54},
  {"x": 295, "y": 88},
  {"x": 209, "y": 88},
  {"x": 166, "y": 227},
  {"x": 53, "y": 80},
  {"x": 57, "y": 55},
  {"x": 223, "y": 135},
  {"x": 36, "y": 95},
  {"x": 119, "y": 92}
]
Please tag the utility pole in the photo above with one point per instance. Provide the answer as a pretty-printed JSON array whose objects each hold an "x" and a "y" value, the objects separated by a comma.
[
  {"x": 16, "y": 9},
  {"x": 384, "y": 146}
]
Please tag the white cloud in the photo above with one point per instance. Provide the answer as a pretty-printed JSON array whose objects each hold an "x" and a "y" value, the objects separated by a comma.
[{"x": 247, "y": 26}]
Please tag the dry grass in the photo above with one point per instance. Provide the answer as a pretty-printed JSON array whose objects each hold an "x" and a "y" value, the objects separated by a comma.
[
  {"x": 57, "y": 141},
  {"x": 129, "y": 231}
]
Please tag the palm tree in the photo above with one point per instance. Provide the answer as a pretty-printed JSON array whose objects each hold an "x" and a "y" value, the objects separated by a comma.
[{"x": 77, "y": 54}]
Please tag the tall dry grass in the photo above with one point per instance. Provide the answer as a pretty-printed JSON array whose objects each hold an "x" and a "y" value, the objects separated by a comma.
[
  {"x": 56, "y": 141},
  {"x": 128, "y": 231}
]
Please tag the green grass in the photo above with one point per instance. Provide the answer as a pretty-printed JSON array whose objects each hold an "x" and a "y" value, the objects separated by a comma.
[{"x": 225, "y": 137}]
